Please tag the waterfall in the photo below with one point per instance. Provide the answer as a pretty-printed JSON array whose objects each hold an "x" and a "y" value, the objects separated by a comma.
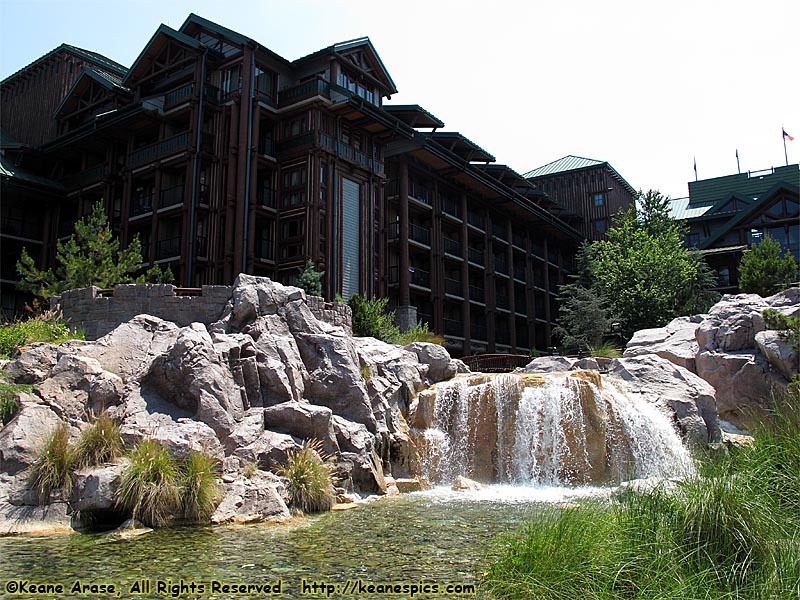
[{"x": 550, "y": 429}]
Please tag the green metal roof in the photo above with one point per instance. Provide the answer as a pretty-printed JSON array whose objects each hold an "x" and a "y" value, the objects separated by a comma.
[
  {"x": 14, "y": 173},
  {"x": 751, "y": 184},
  {"x": 679, "y": 209},
  {"x": 568, "y": 163}
]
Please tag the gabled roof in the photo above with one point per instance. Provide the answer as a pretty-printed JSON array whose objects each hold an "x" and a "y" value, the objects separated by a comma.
[
  {"x": 101, "y": 61},
  {"x": 741, "y": 217},
  {"x": 111, "y": 83},
  {"x": 16, "y": 174},
  {"x": 8, "y": 141},
  {"x": 568, "y": 163},
  {"x": 576, "y": 163},
  {"x": 461, "y": 146},
  {"x": 152, "y": 48},
  {"x": 413, "y": 115}
]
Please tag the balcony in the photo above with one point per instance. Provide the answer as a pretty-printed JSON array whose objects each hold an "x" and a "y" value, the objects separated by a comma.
[
  {"x": 267, "y": 197},
  {"x": 519, "y": 272},
  {"x": 476, "y": 219},
  {"x": 453, "y": 328},
  {"x": 501, "y": 298},
  {"x": 85, "y": 178},
  {"x": 175, "y": 96},
  {"x": 141, "y": 206},
  {"x": 453, "y": 287},
  {"x": 500, "y": 265},
  {"x": 298, "y": 141},
  {"x": 23, "y": 228},
  {"x": 419, "y": 234},
  {"x": 419, "y": 277},
  {"x": 168, "y": 248},
  {"x": 477, "y": 331},
  {"x": 173, "y": 145},
  {"x": 499, "y": 231},
  {"x": 477, "y": 294},
  {"x": 475, "y": 256},
  {"x": 519, "y": 239},
  {"x": 302, "y": 91},
  {"x": 265, "y": 249},
  {"x": 201, "y": 247},
  {"x": 451, "y": 207},
  {"x": 452, "y": 246},
  {"x": 420, "y": 193},
  {"x": 171, "y": 196}
]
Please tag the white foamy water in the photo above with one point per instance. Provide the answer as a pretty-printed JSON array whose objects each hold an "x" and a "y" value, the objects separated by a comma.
[{"x": 566, "y": 431}]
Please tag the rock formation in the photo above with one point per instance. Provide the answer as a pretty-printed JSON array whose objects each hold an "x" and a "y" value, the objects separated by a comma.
[
  {"x": 246, "y": 389},
  {"x": 731, "y": 349}
]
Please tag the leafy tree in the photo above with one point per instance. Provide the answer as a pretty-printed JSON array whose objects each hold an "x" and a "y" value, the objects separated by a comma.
[
  {"x": 91, "y": 256},
  {"x": 370, "y": 320},
  {"x": 764, "y": 271},
  {"x": 310, "y": 279},
  {"x": 641, "y": 275}
]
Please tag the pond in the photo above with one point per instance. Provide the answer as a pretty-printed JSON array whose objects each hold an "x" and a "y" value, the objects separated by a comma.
[{"x": 436, "y": 536}]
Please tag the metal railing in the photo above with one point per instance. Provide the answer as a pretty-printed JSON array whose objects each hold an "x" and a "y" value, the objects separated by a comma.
[
  {"x": 420, "y": 193},
  {"x": 453, "y": 287},
  {"x": 419, "y": 277},
  {"x": 496, "y": 363},
  {"x": 85, "y": 177},
  {"x": 141, "y": 206},
  {"x": 419, "y": 234},
  {"x": 158, "y": 150},
  {"x": 21, "y": 227},
  {"x": 453, "y": 328},
  {"x": 452, "y": 246},
  {"x": 476, "y": 219},
  {"x": 267, "y": 197},
  {"x": 475, "y": 256},
  {"x": 301, "y": 91},
  {"x": 451, "y": 207},
  {"x": 168, "y": 248},
  {"x": 265, "y": 249},
  {"x": 171, "y": 196},
  {"x": 477, "y": 294},
  {"x": 477, "y": 331}
]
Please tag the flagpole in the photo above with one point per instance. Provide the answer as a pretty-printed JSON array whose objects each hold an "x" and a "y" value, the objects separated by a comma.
[
  {"x": 785, "y": 154},
  {"x": 695, "y": 164},
  {"x": 738, "y": 167}
]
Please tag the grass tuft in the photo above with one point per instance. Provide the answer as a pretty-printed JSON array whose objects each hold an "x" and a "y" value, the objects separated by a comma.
[
  {"x": 150, "y": 485},
  {"x": 730, "y": 532},
  {"x": 605, "y": 350},
  {"x": 99, "y": 443},
  {"x": 200, "y": 492},
  {"x": 54, "y": 466},
  {"x": 47, "y": 326},
  {"x": 309, "y": 475},
  {"x": 9, "y": 405}
]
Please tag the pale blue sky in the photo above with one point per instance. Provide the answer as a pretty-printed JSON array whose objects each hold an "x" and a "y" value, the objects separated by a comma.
[{"x": 646, "y": 86}]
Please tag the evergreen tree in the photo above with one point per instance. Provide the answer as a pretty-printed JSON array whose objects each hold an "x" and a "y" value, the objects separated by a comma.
[
  {"x": 310, "y": 279},
  {"x": 91, "y": 256},
  {"x": 764, "y": 271}
]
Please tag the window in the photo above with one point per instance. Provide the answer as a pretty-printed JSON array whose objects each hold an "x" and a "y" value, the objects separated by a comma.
[
  {"x": 231, "y": 80},
  {"x": 293, "y": 228},
  {"x": 294, "y": 177},
  {"x": 693, "y": 240},
  {"x": 600, "y": 226},
  {"x": 599, "y": 199},
  {"x": 723, "y": 277},
  {"x": 295, "y": 127},
  {"x": 265, "y": 83}
]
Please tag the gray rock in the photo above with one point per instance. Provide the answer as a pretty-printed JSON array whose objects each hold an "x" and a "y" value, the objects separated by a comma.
[
  {"x": 22, "y": 438},
  {"x": 34, "y": 365},
  {"x": 440, "y": 365},
  {"x": 66, "y": 391},
  {"x": 49, "y": 519},
  {"x": 680, "y": 391},
  {"x": 96, "y": 488},
  {"x": 732, "y": 323},
  {"x": 303, "y": 420},
  {"x": 352, "y": 437},
  {"x": 586, "y": 364},
  {"x": 193, "y": 376},
  {"x": 676, "y": 342},
  {"x": 777, "y": 349},
  {"x": 254, "y": 297},
  {"x": 252, "y": 500},
  {"x": 281, "y": 373},
  {"x": 268, "y": 450},
  {"x": 549, "y": 364}
]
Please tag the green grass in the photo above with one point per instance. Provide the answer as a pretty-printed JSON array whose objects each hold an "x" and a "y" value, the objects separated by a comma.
[
  {"x": 309, "y": 475},
  {"x": 418, "y": 333},
  {"x": 605, "y": 350},
  {"x": 99, "y": 443},
  {"x": 44, "y": 327},
  {"x": 9, "y": 405},
  {"x": 150, "y": 485},
  {"x": 55, "y": 464},
  {"x": 200, "y": 492},
  {"x": 731, "y": 532}
]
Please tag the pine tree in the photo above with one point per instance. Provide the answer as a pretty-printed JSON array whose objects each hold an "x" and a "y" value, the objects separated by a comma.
[
  {"x": 310, "y": 279},
  {"x": 91, "y": 256},
  {"x": 764, "y": 271}
]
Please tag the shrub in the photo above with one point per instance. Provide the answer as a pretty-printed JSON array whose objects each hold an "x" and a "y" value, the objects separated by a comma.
[
  {"x": 9, "y": 405},
  {"x": 309, "y": 475},
  {"x": 419, "y": 333},
  {"x": 150, "y": 484},
  {"x": 605, "y": 350},
  {"x": 534, "y": 353},
  {"x": 54, "y": 465},
  {"x": 45, "y": 327},
  {"x": 370, "y": 320},
  {"x": 99, "y": 443},
  {"x": 200, "y": 492},
  {"x": 310, "y": 279}
]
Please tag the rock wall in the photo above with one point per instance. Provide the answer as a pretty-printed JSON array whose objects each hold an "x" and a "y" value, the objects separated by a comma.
[{"x": 97, "y": 311}]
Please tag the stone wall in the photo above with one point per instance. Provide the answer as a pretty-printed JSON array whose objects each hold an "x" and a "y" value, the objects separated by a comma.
[{"x": 98, "y": 311}]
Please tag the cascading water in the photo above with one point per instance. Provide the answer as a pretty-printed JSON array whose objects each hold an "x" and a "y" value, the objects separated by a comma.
[{"x": 552, "y": 429}]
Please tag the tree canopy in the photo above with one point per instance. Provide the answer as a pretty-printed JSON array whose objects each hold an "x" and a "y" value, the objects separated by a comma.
[
  {"x": 641, "y": 276},
  {"x": 764, "y": 271},
  {"x": 310, "y": 279},
  {"x": 91, "y": 256}
]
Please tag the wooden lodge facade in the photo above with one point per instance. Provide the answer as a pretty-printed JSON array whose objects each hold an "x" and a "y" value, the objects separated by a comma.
[{"x": 224, "y": 157}]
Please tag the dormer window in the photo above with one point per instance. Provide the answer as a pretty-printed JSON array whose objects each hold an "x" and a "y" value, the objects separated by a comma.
[{"x": 357, "y": 86}]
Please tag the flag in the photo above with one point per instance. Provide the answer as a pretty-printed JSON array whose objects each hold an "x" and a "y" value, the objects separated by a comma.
[{"x": 786, "y": 136}]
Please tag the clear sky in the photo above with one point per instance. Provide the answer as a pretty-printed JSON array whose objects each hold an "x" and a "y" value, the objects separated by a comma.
[{"x": 645, "y": 85}]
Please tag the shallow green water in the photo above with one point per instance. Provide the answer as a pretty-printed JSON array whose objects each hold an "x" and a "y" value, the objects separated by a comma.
[{"x": 414, "y": 538}]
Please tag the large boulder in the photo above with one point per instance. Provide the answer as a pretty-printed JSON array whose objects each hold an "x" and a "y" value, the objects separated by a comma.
[
  {"x": 437, "y": 358},
  {"x": 33, "y": 365},
  {"x": 549, "y": 364},
  {"x": 193, "y": 376},
  {"x": 96, "y": 488},
  {"x": 676, "y": 342},
  {"x": 23, "y": 437},
  {"x": 779, "y": 351},
  {"x": 303, "y": 420},
  {"x": 732, "y": 323},
  {"x": 661, "y": 382},
  {"x": 253, "y": 499}
]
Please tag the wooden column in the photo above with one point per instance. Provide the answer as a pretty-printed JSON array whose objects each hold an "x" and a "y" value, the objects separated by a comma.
[{"x": 405, "y": 292}]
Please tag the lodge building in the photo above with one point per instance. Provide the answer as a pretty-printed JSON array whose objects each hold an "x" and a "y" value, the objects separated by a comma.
[{"x": 224, "y": 157}]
